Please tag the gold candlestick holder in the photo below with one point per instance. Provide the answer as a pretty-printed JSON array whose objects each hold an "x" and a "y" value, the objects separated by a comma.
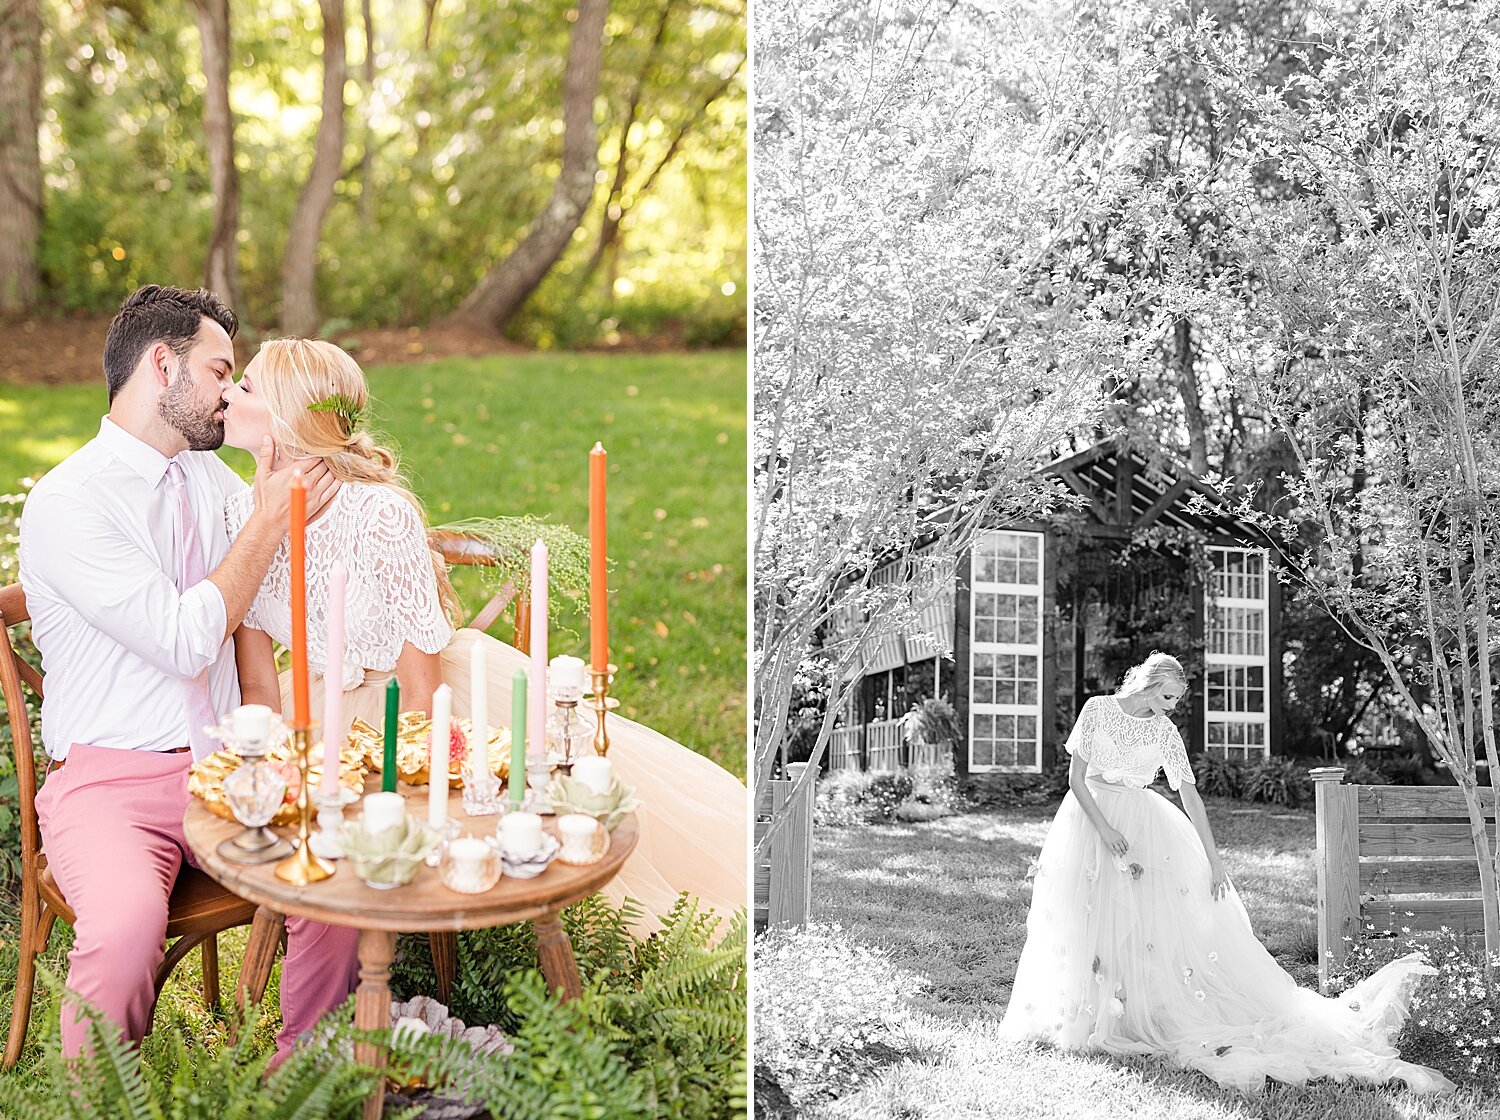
[
  {"x": 602, "y": 702},
  {"x": 304, "y": 865}
]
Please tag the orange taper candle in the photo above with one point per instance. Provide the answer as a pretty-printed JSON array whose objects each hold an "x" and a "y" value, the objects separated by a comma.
[
  {"x": 598, "y": 586},
  {"x": 298, "y": 538}
]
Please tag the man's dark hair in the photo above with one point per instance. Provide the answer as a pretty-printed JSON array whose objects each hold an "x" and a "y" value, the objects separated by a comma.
[{"x": 158, "y": 314}]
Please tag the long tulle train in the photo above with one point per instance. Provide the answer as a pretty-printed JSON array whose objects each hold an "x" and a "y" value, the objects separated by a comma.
[{"x": 1134, "y": 956}]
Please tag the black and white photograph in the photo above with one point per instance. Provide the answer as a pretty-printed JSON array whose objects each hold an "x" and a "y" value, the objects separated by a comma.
[{"x": 1124, "y": 544}]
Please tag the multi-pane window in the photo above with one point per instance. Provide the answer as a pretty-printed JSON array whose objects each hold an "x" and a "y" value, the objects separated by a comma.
[
  {"x": 1005, "y": 658},
  {"x": 1237, "y": 654}
]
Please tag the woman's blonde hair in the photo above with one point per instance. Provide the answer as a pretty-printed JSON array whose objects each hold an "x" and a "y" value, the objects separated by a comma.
[
  {"x": 297, "y": 372},
  {"x": 1159, "y": 668}
]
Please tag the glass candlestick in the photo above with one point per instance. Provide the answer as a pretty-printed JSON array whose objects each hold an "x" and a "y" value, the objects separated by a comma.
[
  {"x": 325, "y": 842},
  {"x": 570, "y": 730},
  {"x": 481, "y": 792},
  {"x": 254, "y": 792}
]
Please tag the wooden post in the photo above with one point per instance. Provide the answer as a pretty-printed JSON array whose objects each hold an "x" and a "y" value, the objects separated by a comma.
[
  {"x": 1338, "y": 868},
  {"x": 791, "y": 851}
]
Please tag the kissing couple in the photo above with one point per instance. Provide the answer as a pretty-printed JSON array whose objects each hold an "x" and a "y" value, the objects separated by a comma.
[{"x": 157, "y": 581}]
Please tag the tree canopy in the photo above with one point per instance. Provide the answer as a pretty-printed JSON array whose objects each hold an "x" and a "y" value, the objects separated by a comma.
[{"x": 452, "y": 139}]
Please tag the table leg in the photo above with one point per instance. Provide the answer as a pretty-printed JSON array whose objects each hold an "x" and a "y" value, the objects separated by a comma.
[
  {"x": 372, "y": 1005},
  {"x": 443, "y": 944},
  {"x": 554, "y": 953}
]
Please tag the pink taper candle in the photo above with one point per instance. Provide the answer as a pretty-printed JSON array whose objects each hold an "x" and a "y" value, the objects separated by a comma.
[
  {"x": 536, "y": 708},
  {"x": 333, "y": 682}
]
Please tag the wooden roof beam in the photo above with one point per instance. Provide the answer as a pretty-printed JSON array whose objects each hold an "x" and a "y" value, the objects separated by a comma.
[{"x": 1159, "y": 507}]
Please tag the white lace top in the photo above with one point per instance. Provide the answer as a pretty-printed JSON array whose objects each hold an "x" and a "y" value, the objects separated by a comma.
[
  {"x": 1126, "y": 749},
  {"x": 392, "y": 595}
]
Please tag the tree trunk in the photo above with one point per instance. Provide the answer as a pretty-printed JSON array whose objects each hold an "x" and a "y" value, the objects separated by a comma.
[
  {"x": 367, "y": 156},
  {"x": 615, "y": 211},
  {"x": 1485, "y": 858},
  {"x": 496, "y": 298},
  {"x": 20, "y": 155},
  {"x": 1192, "y": 405},
  {"x": 299, "y": 306},
  {"x": 222, "y": 272}
]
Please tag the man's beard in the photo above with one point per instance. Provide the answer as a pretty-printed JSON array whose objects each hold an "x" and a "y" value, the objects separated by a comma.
[{"x": 202, "y": 430}]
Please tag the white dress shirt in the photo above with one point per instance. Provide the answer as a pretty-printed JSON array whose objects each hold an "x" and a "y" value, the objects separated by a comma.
[{"x": 98, "y": 560}]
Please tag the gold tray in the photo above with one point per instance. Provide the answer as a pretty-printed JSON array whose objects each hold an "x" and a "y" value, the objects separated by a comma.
[{"x": 413, "y": 730}]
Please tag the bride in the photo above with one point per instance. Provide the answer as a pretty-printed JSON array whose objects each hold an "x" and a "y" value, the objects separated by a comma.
[
  {"x": 1137, "y": 942},
  {"x": 401, "y": 612}
]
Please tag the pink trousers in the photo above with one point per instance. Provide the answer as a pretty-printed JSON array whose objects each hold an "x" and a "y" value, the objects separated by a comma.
[{"x": 111, "y": 824}]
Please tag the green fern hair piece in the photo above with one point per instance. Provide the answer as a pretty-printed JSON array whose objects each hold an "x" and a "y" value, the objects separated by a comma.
[{"x": 347, "y": 410}]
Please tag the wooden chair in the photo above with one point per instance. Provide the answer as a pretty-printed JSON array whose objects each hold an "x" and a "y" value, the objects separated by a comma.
[
  {"x": 199, "y": 909},
  {"x": 462, "y": 549}
]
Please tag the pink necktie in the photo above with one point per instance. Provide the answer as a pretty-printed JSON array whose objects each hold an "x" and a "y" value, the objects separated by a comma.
[{"x": 190, "y": 571}]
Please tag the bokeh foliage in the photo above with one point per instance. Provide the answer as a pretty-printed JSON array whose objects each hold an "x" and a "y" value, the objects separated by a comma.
[{"x": 449, "y": 154}]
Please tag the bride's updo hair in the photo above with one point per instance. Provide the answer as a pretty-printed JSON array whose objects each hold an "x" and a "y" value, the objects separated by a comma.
[
  {"x": 1158, "y": 669},
  {"x": 297, "y": 372}
]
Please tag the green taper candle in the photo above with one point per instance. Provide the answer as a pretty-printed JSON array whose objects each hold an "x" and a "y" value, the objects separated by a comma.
[
  {"x": 392, "y": 718},
  {"x": 518, "y": 739}
]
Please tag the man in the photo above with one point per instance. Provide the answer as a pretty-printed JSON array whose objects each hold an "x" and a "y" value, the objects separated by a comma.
[{"x": 134, "y": 591}]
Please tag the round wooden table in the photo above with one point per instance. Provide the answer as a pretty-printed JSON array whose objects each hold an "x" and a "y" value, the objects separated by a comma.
[{"x": 422, "y": 906}]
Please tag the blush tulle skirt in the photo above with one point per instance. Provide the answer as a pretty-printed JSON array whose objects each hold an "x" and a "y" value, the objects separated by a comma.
[
  {"x": 693, "y": 813},
  {"x": 1132, "y": 955}
]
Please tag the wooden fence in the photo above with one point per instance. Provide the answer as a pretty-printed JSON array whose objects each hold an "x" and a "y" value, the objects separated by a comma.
[
  {"x": 1393, "y": 858},
  {"x": 783, "y": 872},
  {"x": 844, "y": 748},
  {"x": 884, "y": 746}
]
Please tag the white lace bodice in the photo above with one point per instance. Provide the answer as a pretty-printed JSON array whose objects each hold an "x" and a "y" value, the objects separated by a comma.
[
  {"x": 392, "y": 596},
  {"x": 1126, "y": 749}
]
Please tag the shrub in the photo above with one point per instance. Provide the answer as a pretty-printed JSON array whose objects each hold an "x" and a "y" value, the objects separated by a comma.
[
  {"x": 179, "y": 1074},
  {"x": 1218, "y": 777},
  {"x": 1404, "y": 769},
  {"x": 1277, "y": 781},
  {"x": 659, "y": 1032},
  {"x": 822, "y": 1002},
  {"x": 1358, "y": 772},
  {"x": 1008, "y": 791},
  {"x": 1454, "y": 1015},
  {"x": 849, "y": 797}
]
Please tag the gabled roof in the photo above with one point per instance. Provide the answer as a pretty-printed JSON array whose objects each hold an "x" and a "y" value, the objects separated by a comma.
[{"x": 1125, "y": 491}]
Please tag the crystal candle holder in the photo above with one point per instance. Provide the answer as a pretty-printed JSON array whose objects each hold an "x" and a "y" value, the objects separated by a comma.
[
  {"x": 481, "y": 797},
  {"x": 570, "y": 730},
  {"x": 254, "y": 792}
]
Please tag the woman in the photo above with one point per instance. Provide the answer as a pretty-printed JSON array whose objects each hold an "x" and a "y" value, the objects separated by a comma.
[
  {"x": 400, "y": 616},
  {"x": 1138, "y": 944}
]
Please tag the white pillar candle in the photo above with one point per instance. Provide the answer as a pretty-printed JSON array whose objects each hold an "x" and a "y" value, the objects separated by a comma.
[
  {"x": 566, "y": 672},
  {"x": 536, "y": 702},
  {"x": 479, "y": 750},
  {"x": 595, "y": 772},
  {"x": 437, "y": 781},
  {"x": 520, "y": 834},
  {"x": 383, "y": 811},
  {"x": 251, "y": 723}
]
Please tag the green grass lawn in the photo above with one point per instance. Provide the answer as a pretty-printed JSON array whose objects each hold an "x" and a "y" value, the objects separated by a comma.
[
  {"x": 511, "y": 435},
  {"x": 947, "y": 901}
]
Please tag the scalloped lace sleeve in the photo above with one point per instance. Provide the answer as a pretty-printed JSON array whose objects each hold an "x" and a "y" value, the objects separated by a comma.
[
  {"x": 1081, "y": 738},
  {"x": 392, "y": 557},
  {"x": 1174, "y": 759}
]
